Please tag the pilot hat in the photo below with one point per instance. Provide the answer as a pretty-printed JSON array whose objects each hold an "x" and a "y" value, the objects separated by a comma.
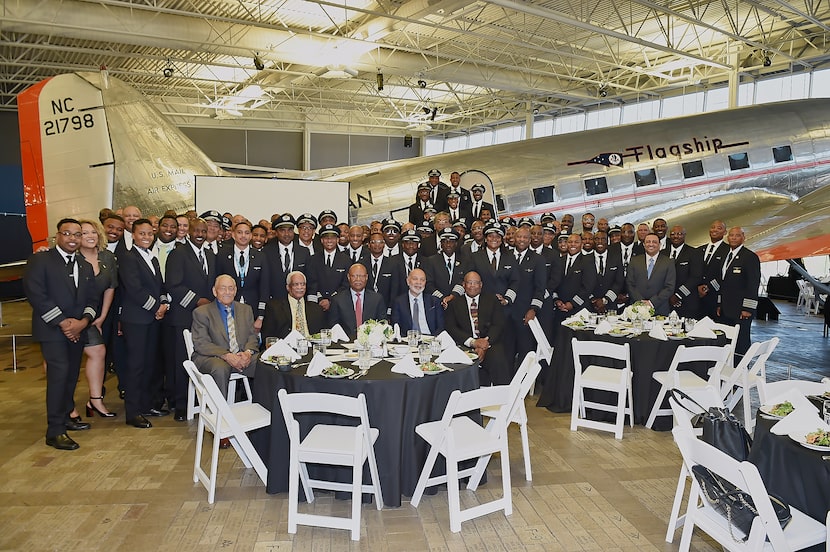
[
  {"x": 214, "y": 216},
  {"x": 226, "y": 223},
  {"x": 327, "y": 213},
  {"x": 286, "y": 219},
  {"x": 461, "y": 222},
  {"x": 307, "y": 218},
  {"x": 434, "y": 172},
  {"x": 526, "y": 221},
  {"x": 390, "y": 224},
  {"x": 329, "y": 229},
  {"x": 425, "y": 227},
  {"x": 548, "y": 227},
  {"x": 508, "y": 221},
  {"x": 614, "y": 230},
  {"x": 547, "y": 217},
  {"x": 424, "y": 186},
  {"x": 448, "y": 234},
  {"x": 564, "y": 235},
  {"x": 494, "y": 226},
  {"x": 411, "y": 235},
  {"x": 478, "y": 187}
]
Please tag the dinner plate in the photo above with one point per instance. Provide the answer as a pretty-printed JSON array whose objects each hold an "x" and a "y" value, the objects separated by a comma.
[
  {"x": 443, "y": 369},
  {"x": 272, "y": 360},
  {"x": 766, "y": 410},
  {"x": 678, "y": 337},
  {"x": 801, "y": 439},
  {"x": 348, "y": 373},
  {"x": 620, "y": 333}
]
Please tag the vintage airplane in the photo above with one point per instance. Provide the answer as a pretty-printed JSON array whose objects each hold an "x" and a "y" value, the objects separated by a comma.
[{"x": 89, "y": 140}]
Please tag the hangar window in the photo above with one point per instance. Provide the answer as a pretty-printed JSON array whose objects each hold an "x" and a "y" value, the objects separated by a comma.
[
  {"x": 782, "y": 154},
  {"x": 543, "y": 195},
  {"x": 646, "y": 177},
  {"x": 596, "y": 186},
  {"x": 738, "y": 161},
  {"x": 692, "y": 169}
]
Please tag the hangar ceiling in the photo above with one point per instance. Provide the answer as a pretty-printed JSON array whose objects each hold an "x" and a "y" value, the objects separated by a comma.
[{"x": 447, "y": 65}]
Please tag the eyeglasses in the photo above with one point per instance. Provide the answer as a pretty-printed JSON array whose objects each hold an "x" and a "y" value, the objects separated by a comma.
[{"x": 68, "y": 234}]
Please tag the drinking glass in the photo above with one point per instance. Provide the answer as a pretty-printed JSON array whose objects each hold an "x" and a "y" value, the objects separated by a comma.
[
  {"x": 435, "y": 346},
  {"x": 412, "y": 337},
  {"x": 423, "y": 353},
  {"x": 689, "y": 324},
  {"x": 321, "y": 347},
  {"x": 364, "y": 357},
  {"x": 269, "y": 341},
  {"x": 302, "y": 347},
  {"x": 637, "y": 325},
  {"x": 325, "y": 337}
]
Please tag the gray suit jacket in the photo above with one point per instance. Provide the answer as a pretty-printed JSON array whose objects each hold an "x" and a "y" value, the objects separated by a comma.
[
  {"x": 210, "y": 338},
  {"x": 657, "y": 289}
]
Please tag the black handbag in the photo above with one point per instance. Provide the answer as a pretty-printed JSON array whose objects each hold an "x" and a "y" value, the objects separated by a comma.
[
  {"x": 734, "y": 504},
  {"x": 721, "y": 428}
]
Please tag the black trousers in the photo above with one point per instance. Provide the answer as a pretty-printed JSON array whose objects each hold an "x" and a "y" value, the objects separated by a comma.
[
  {"x": 63, "y": 364},
  {"x": 142, "y": 344}
]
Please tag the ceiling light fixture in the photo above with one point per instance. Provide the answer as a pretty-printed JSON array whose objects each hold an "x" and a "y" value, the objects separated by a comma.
[
  {"x": 168, "y": 71},
  {"x": 422, "y": 83},
  {"x": 379, "y": 78},
  {"x": 603, "y": 90},
  {"x": 258, "y": 63}
]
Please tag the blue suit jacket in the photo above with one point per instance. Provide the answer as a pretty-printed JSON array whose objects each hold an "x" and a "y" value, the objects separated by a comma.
[{"x": 433, "y": 311}]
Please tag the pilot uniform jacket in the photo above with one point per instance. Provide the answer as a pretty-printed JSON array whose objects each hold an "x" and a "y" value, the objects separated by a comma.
[
  {"x": 276, "y": 271},
  {"x": 324, "y": 281},
  {"x": 439, "y": 200},
  {"x": 398, "y": 266},
  {"x": 385, "y": 282},
  {"x": 475, "y": 209},
  {"x": 711, "y": 277},
  {"x": 611, "y": 282},
  {"x": 439, "y": 282},
  {"x": 187, "y": 283},
  {"x": 278, "y": 321},
  {"x": 416, "y": 212},
  {"x": 142, "y": 291},
  {"x": 491, "y": 324},
  {"x": 656, "y": 289},
  {"x": 464, "y": 196},
  {"x": 575, "y": 286},
  {"x": 504, "y": 280},
  {"x": 253, "y": 289},
  {"x": 532, "y": 284},
  {"x": 462, "y": 212},
  {"x": 432, "y": 309},
  {"x": 688, "y": 267},
  {"x": 342, "y": 310},
  {"x": 739, "y": 287}
]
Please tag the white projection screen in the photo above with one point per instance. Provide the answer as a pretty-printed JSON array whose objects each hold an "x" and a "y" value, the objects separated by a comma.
[{"x": 258, "y": 198}]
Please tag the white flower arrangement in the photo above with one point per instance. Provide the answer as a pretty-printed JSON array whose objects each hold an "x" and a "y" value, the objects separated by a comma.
[
  {"x": 374, "y": 333},
  {"x": 641, "y": 310}
]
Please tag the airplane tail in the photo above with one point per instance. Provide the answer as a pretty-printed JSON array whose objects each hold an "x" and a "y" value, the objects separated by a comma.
[{"x": 89, "y": 141}]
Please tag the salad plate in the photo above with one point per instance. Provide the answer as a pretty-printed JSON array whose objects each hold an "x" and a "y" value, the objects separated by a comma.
[{"x": 814, "y": 440}]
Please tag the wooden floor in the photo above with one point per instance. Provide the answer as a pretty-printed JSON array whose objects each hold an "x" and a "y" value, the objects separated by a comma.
[{"x": 131, "y": 489}]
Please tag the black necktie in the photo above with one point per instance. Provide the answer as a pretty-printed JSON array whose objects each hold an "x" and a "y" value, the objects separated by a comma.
[
  {"x": 601, "y": 266},
  {"x": 709, "y": 250},
  {"x": 674, "y": 253},
  {"x": 568, "y": 264},
  {"x": 493, "y": 262},
  {"x": 328, "y": 260},
  {"x": 286, "y": 261},
  {"x": 375, "y": 272},
  {"x": 476, "y": 210},
  {"x": 202, "y": 262},
  {"x": 70, "y": 269},
  {"x": 409, "y": 266},
  {"x": 156, "y": 267},
  {"x": 354, "y": 256}
]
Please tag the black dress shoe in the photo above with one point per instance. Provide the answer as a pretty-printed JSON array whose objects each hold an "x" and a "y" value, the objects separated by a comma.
[
  {"x": 157, "y": 412},
  {"x": 180, "y": 415},
  {"x": 62, "y": 442},
  {"x": 139, "y": 422},
  {"x": 77, "y": 419},
  {"x": 72, "y": 425}
]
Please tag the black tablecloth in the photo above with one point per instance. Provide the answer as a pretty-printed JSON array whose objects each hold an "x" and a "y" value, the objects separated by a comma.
[
  {"x": 796, "y": 474},
  {"x": 396, "y": 404},
  {"x": 647, "y": 356}
]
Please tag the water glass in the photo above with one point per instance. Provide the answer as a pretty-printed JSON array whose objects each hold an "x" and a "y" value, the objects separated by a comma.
[
  {"x": 364, "y": 357},
  {"x": 637, "y": 325},
  {"x": 320, "y": 347},
  {"x": 302, "y": 347},
  {"x": 826, "y": 412},
  {"x": 435, "y": 346},
  {"x": 269, "y": 341},
  {"x": 413, "y": 337},
  {"x": 325, "y": 337},
  {"x": 423, "y": 353},
  {"x": 689, "y": 324}
]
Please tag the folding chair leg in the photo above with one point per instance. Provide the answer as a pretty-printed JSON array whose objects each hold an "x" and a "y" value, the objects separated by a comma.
[
  {"x": 505, "y": 479},
  {"x": 453, "y": 495},
  {"x": 675, "y": 519},
  {"x": 357, "y": 499},
  {"x": 620, "y": 422},
  {"x": 197, "y": 463},
  {"x": 432, "y": 456},
  {"x": 293, "y": 492},
  {"x": 192, "y": 409},
  {"x": 526, "y": 451},
  {"x": 656, "y": 407},
  {"x": 478, "y": 472},
  {"x": 214, "y": 465}
]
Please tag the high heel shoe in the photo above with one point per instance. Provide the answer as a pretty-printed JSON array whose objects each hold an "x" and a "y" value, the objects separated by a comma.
[{"x": 90, "y": 408}]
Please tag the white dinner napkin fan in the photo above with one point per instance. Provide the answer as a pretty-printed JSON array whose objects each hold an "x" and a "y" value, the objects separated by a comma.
[
  {"x": 603, "y": 328},
  {"x": 396, "y": 332},
  {"x": 800, "y": 420},
  {"x": 706, "y": 323},
  {"x": 293, "y": 337},
  {"x": 406, "y": 365},
  {"x": 582, "y": 315},
  {"x": 657, "y": 332},
  {"x": 338, "y": 334},
  {"x": 453, "y": 355},
  {"x": 701, "y": 331},
  {"x": 446, "y": 340},
  {"x": 281, "y": 348},
  {"x": 318, "y": 363}
]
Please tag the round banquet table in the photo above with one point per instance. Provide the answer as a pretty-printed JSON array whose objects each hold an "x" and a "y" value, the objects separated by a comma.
[
  {"x": 648, "y": 355},
  {"x": 796, "y": 474},
  {"x": 396, "y": 405}
]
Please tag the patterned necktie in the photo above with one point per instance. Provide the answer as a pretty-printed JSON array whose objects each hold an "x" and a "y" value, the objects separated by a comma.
[
  {"x": 726, "y": 264},
  {"x": 358, "y": 310},
  {"x": 202, "y": 262},
  {"x": 674, "y": 253},
  {"x": 416, "y": 315},
  {"x": 474, "y": 316},
  {"x": 286, "y": 261},
  {"x": 409, "y": 266},
  {"x": 650, "y": 266},
  {"x": 233, "y": 346},
  {"x": 299, "y": 319},
  {"x": 375, "y": 274}
]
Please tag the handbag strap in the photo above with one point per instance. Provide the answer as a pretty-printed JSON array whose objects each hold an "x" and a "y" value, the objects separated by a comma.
[{"x": 679, "y": 396}]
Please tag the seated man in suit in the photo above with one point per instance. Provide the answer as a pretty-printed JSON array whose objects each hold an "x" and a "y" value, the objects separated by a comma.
[
  {"x": 293, "y": 312},
  {"x": 477, "y": 320},
  {"x": 354, "y": 306},
  {"x": 224, "y": 338},
  {"x": 415, "y": 311}
]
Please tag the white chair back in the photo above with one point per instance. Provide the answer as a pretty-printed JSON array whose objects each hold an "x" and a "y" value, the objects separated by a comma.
[
  {"x": 746, "y": 375},
  {"x": 544, "y": 350}
]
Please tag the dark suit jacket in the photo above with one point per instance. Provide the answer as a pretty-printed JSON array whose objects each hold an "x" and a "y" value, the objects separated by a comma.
[
  {"x": 484, "y": 205},
  {"x": 611, "y": 282},
  {"x": 277, "y": 321},
  {"x": 433, "y": 311},
  {"x": 276, "y": 271},
  {"x": 187, "y": 283},
  {"x": 532, "y": 285},
  {"x": 689, "y": 270},
  {"x": 577, "y": 285},
  {"x": 53, "y": 296},
  {"x": 324, "y": 282},
  {"x": 416, "y": 213},
  {"x": 141, "y": 291},
  {"x": 656, "y": 289},
  {"x": 711, "y": 277},
  {"x": 439, "y": 284},
  {"x": 464, "y": 195},
  {"x": 739, "y": 287},
  {"x": 440, "y": 204},
  {"x": 387, "y": 282},
  {"x": 491, "y": 324},
  {"x": 210, "y": 337},
  {"x": 463, "y": 212},
  {"x": 257, "y": 277},
  {"x": 342, "y": 310},
  {"x": 398, "y": 266},
  {"x": 503, "y": 280}
]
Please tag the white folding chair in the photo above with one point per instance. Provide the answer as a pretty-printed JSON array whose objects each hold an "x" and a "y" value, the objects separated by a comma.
[
  {"x": 193, "y": 407},
  {"x": 731, "y": 333},
  {"x": 686, "y": 380},
  {"x": 768, "y": 390},
  {"x": 459, "y": 438},
  {"x": 337, "y": 445},
  {"x": 765, "y": 533},
  {"x": 706, "y": 397},
  {"x": 544, "y": 350},
  {"x": 801, "y": 303},
  {"x": 224, "y": 421},
  {"x": 616, "y": 380},
  {"x": 525, "y": 378},
  {"x": 738, "y": 382}
]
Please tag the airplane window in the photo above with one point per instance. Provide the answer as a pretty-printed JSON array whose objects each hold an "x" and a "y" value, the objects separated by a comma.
[
  {"x": 782, "y": 154},
  {"x": 646, "y": 177},
  {"x": 543, "y": 195},
  {"x": 692, "y": 169},
  {"x": 738, "y": 161},
  {"x": 596, "y": 186},
  {"x": 500, "y": 203}
]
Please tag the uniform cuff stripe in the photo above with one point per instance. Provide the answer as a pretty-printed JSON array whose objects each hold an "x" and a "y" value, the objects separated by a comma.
[
  {"x": 149, "y": 303},
  {"x": 684, "y": 290},
  {"x": 90, "y": 311},
  {"x": 578, "y": 300},
  {"x": 536, "y": 303},
  {"x": 51, "y": 315},
  {"x": 189, "y": 296},
  {"x": 612, "y": 296},
  {"x": 715, "y": 285},
  {"x": 510, "y": 294},
  {"x": 437, "y": 294},
  {"x": 750, "y": 303}
]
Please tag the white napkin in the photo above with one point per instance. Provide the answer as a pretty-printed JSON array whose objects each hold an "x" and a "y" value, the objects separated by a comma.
[
  {"x": 318, "y": 363},
  {"x": 674, "y": 312},
  {"x": 281, "y": 348},
  {"x": 583, "y": 315},
  {"x": 453, "y": 355},
  {"x": 701, "y": 331},
  {"x": 293, "y": 337},
  {"x": 657, "y": 332},
  {"x": 706, "y": 323},
  {"x": 337, "y": 334},
  {"x": 446, "y": 340},
  {"x": 406, "y": 365},
  {"x": 603, "y": 327},
  {"x": 800, "y": 420},
  {"x": 396, "y": 333}
]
